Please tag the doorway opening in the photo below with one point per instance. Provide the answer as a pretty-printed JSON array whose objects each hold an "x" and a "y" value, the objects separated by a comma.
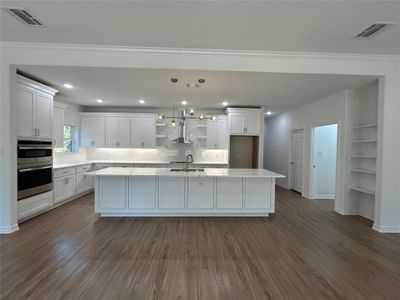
[
  {"x": 296, "y": 161},
  {"x": 324, "y": 161}
]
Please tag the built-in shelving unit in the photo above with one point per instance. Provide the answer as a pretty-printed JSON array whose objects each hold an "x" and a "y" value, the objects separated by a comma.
[
  {"x": 161, "y": 134},
  {"x": 363, "y": 141}
]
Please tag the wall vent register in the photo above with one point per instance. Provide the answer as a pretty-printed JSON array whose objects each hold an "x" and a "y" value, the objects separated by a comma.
[
  {"x": 373, "y": 30},
  {"x": 23, "y": 16}
]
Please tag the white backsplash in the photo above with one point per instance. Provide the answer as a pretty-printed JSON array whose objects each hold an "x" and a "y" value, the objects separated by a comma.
[
  {"x": 62, "y": 158},
  {"x": 157, "y": 155}
]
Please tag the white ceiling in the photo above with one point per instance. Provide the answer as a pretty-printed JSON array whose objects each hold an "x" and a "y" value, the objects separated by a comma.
[
  {"x": 312, "y": 26},
  {"x": 125, "y": 87}
]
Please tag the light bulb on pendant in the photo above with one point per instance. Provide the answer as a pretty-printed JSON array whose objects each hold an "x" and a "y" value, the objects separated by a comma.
[
  {"x": 201, "y": 117},
  {"x": 191, "y": 111},
  {"x": 173, "y": 123},
  {"x": 213, "y": 118},
  {"x": 161, "y": 117}
]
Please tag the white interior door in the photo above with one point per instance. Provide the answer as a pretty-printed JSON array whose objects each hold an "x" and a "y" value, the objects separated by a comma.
[
  {"x": 297, "y": 160},
  {"x": 324, "y": 162}
]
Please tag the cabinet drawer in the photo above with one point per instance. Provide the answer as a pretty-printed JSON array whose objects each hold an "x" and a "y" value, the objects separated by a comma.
[
  {"x": 64, "y": 172},
  {"x": 83, "y": 169},
  {"x": 34, "y": 205}
]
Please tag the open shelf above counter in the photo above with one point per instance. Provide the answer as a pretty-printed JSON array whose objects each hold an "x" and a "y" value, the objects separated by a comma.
[
  {"x": 364, "y": 126},
  {"x": 363, "y": 171},
  {"x": 362, "y": 190}
]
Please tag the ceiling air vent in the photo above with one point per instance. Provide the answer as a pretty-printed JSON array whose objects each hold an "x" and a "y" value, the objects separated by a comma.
[
  {"x": 372, "y": 30},
  {"x": 24, "y": 16}
]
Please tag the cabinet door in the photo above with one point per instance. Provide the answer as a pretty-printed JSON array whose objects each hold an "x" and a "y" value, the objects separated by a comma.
[
  {"x": 136, "y": 133},
  {"x": 112, "y": 192},
  {"x": 83, "y": 183},
  {"x": 211, "y": 134},
  {"x": 92, "y": 132},
  {"x": 124, "y": 132},
  {"x": 221, "y": 134},
  {"x": 142, "y": 192},
  {"x": 236, "y": 123},
  {"x": 229, "y": 193},
  {"x": 59, "y": 189},
  {"x": 25, "y": 98},
  {"x": 111, "y": 132},
  {"x": 58, "y": 128},
  {"x": 257, "y": 193},
  {"x": 171, "y": 193},
  {"x": 252, "y": 123},
  {"x": 43, "y": 114},
  {"x": 200, "y": 193},
  {"x": 149, "y": 132},
  {"x": 70, "y": 187}
]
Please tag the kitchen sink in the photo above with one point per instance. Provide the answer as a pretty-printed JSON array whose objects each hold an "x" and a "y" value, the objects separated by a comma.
[{"x": 188, "y": 170}]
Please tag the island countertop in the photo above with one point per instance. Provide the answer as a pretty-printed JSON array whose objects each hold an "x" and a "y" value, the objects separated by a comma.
[{"x": 166, "y": 172}]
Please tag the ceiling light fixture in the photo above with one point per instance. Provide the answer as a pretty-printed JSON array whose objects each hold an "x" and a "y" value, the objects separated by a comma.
[
  {"x": 224, "y": 103},
  {"x": 141, "y": 101},
  {"x": 99, "y": 101},
  {"x": 68, "y": 86},
  {"x": 268, "y": 113},
  {"x": 184, "y": 102}
]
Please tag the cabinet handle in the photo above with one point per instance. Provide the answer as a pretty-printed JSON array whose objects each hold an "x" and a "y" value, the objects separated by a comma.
[{"x": 38, "y": 132}]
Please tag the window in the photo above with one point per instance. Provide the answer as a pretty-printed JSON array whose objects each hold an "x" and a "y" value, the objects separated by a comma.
[{"x": 68, "y": 140}]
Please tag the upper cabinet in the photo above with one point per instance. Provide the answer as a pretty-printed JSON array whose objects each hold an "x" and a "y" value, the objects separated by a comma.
[
  {"x": 143, "y": 132},
  {"x": 118, "y": 132},
  {"x": 34, "y": 106},
  {"x": 217, "y": 133},
  {"x": 58, "y": 124},
  {"x": 245, "y": 121},
  {"x": 92, "y": 131}
]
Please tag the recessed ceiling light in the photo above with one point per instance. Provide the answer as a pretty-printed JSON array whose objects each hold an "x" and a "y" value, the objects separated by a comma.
[
  {"x": 141, "y": 101},
  {"x": 184, "y": 102},
  {"x": 68, "y": 85},
  {"x": 268, "y": 113},
  {"x": 99, "y": 101},
  {"x": 224, "y": 103}
]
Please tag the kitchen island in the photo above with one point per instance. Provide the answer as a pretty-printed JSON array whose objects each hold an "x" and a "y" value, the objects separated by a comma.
[{"x": 173, "y": 192}]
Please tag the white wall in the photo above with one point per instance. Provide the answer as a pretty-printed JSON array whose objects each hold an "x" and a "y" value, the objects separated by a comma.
[
  {"x": 324, "y": 160},
  {"x": 277, "y": 139}
]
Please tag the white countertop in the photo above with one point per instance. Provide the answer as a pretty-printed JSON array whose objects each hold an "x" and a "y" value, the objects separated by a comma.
[
  {"x": 208, "y": 172},
  {"x": 88, "y": 162}
]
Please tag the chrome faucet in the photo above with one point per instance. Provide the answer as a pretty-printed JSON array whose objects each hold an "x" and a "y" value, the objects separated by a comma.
[{"x": 189, "y": 160}]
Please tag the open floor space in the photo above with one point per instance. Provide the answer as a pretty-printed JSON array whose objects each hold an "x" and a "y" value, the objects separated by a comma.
[{"x": 303, "y": 251}]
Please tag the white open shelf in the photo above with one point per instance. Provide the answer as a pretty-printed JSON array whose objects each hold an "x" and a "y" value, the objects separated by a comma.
[
  {"x": 362, "y": 190},
  {"x": 161, "y": 136},
  {"x": 364, "y": 141},
  {"x": 202, "y": 125},
  {"x": 202, "y": 137},
  {"x": 364, "y": 126},
  {"x": 363, "y": 156},
  {"x": 161, "y": 124},
  {"x": 363, "y": 171}
]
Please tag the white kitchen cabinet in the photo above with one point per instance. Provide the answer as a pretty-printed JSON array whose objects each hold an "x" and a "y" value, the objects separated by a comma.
[
  {"x": 58, "y": 124},
  {"x": 84, "y": 183},
  {"x": 200, "y": 192},
  {"x": 171, "y": 193},
  {"x": 245, "y": 121},
  {"x": 117, "y": 132},
  {"x": 92, "y": 131},
  {"x": 217, "y": 133},
  {"x": 34, "y": 205},
  {"x": 143, "y": 132},
  {"x": 113, "y": 193},
  {"x": 64, "y": 188},
  {"x": 34, "y": 103},
  {"x": 142, "y": 192},
  {"x": 229, "y": 192},
  {"x": 257, "y": 193}
]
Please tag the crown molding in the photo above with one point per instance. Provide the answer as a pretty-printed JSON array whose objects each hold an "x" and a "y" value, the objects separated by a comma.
[{"x": 194, "y": 51}]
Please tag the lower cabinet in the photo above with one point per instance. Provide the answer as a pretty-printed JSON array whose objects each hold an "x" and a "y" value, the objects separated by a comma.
[
  {"x": 112, "y": 193},
  {"x": 257, "y": 193},
  {"x": 143, "y": 192},
  {"x": 34, "y": 205},
  {"x": 171, "y": 193},
  {"x": 84, "y": 183},
  {"x": 200, "y": 193},
  {"x": 64, "y": 188},
  {"x": 229, "y": 192}
]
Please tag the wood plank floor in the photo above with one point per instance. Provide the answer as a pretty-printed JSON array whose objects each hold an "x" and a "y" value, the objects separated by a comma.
[{"x": 304, "y": 251}]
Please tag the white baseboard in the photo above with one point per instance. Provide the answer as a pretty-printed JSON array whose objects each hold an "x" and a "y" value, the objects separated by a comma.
[
  {"x": 8, "y": 230},
  {"x": 282, "y": 185},
  {"x": 385, "y": 229},
  {"x": 323, "y": 197},
  {"x": 367, "y": 215},
  {"x": 346, "y": 212}
]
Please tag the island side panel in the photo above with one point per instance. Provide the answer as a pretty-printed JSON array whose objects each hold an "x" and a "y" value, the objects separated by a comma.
[{"x": 257, "y": 193}]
